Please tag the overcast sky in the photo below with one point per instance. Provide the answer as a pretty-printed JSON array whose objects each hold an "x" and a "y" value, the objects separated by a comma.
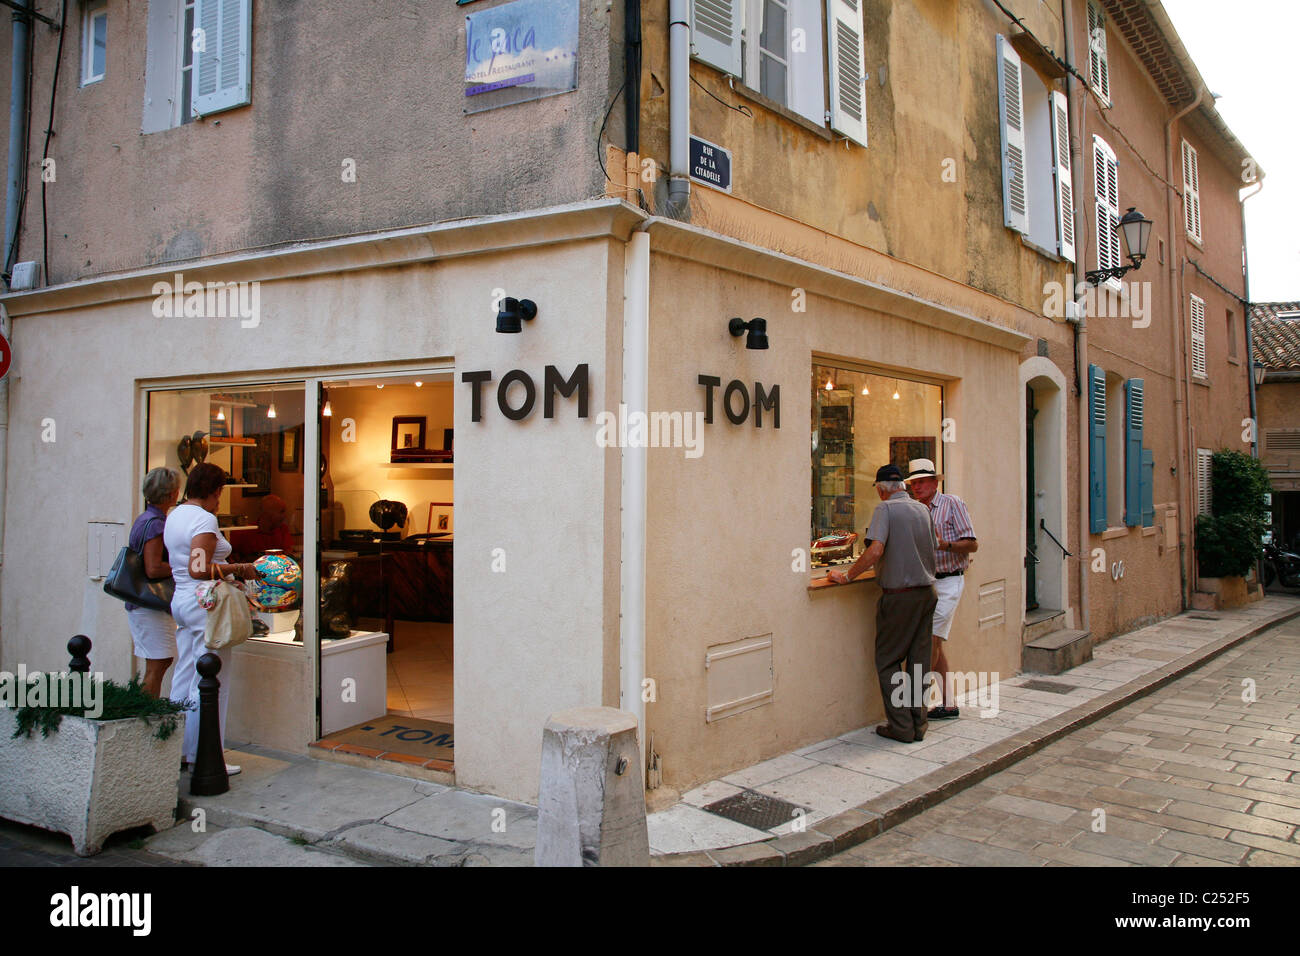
[{"x": 1246, "y": 51}]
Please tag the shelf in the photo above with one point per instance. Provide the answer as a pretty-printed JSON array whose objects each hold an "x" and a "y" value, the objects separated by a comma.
[
  {"x": 232, "y": 441},
  {"x": 431, "y": 465},
  {"x": 223, "y": 401},
  {"x": 236, "y": 527},
  {"x": 241, "y": 485}
]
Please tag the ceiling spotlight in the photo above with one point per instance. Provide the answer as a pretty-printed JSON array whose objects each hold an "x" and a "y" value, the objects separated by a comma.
[
  {"x": 829, "y": 384},
  {"x": 757, "y": 329},
  {"x": 270, "y": 412},
  {"x": 419, "y": 384},
  {"x": 895, "y": 389},
  {"x": 327, "y": 411},
  {"x": 221, "y": 413},
  {"x": 512, "y": 310},
  {"x": 380, "y": 385},
  {"x": 865, "y": 390}
]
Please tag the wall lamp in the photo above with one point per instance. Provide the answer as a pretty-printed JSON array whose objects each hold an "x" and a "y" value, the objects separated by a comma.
[
  {"x": 512, "y": 310},
  {"x": 1135, "y": 230},
  {"x": 757, "y": 329}
]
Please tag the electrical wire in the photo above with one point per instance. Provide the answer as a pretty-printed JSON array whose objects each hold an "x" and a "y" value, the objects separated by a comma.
[
  {"x": 600, "y": 151},
  {"x": 1197, "y": 266},
  {"x": 742, "y": 108}
]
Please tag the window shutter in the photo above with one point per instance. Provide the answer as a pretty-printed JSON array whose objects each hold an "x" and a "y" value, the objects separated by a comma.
[
  {"x": 1064, "y": 185},
  {"x": 846, "y": 64},
  {"x": 715, "y": 33},
  {"x": 1148, "y": 488},
  {"x": 1011, "y": 112},
  {"x": 807, "y": 79},
  {"x": 1097, "y": 449},
  {"x": 1098, "y": 68},
  {"x": 1198, "y": 336},
  {"x": 1106, "y": 184},
  {"x": 222, "y": 66},
  {"x": 1133, "y": 398},
  {"x": 1191, "y": 192},
  {"x": 1203, "y": 496}
]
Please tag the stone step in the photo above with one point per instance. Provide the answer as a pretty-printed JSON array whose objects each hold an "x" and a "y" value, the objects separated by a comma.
[
  {"x": 1057, "y": 652},
  {"x": 1037, "y": 625}
]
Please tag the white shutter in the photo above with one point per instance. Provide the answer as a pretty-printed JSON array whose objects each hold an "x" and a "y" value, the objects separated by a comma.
[
  {"x": 1203, "y": 498},
  {"x": 1191, "y": 192},
  {"x": 1064, "y": 185},
  {"x": 1011, "y": 113},
  {"x": 1198, "y": 336},
  {"x": 1098, "y": 68},
  {"x": 847, "y": 66},
  {"x": 222, "y": 65},
  {"x": 1105, "y": 172},
  {"x": 715, "y": 33},
  {"x": 807, "y": 81}
]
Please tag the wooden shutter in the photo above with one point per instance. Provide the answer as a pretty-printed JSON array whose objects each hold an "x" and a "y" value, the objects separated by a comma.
[
  {"x": 807, "y": 75},
  {"x": 222, "y": 66},
  {"x": 1097, "y": 449},
  {"x": 1011, "y": 113},
  {"x": 1134, "y": 402},
  {"x": 1098, "y": 68},
  {"x": 715, "y": 33},
  {"x": 1198, "y": 335},
  {"x": 1105, "y": 171},
  {"x": 1204, "y": 499},
  {"x": 1064, "y": 185},
  {"x": 1191, "y": 192},
  {"x": 846, "y": 65},
  {"x": 1148, "y": 488}
]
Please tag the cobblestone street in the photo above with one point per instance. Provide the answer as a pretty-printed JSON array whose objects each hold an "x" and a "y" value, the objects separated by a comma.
[{"x": 1196, "y": 774}]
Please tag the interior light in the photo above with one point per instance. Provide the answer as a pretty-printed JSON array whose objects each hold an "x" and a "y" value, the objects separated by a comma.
[
  {"x": 829, "y": 384},
  {"x": 865, "y": 390},
  {"x": 895, "y": 389},
  {"x": 221, "y": 413},
  {"x": 380, "y": 385},
  {"x": 419, "y": 384},
  {"x": 327, "y": 411},
  {"x": 270, "y": 412}
]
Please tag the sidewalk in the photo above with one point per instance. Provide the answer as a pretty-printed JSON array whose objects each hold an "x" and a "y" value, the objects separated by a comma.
[{"x": 293, "y": 810}]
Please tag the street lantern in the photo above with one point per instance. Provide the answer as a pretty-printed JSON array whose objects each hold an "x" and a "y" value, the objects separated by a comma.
[{"x": 1135, "y": 233}]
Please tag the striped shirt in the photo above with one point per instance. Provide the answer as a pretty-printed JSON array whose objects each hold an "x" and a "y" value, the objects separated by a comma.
[{"x": 951, "y": 523}]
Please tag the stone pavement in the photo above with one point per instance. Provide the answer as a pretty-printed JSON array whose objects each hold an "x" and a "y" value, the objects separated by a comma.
[
  {"x": 1196, "y": 774},
  {"x": 31, "y": 846},
  {"x": 294, "y": 810}
]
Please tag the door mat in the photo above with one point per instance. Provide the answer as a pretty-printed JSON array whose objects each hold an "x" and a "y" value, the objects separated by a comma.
[{"x": 412, "y": 737}]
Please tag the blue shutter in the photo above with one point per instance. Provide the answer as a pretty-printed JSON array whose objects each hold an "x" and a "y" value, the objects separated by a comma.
[
  {"x": 1134, "y": 403},
  {"x": 1148, "y": 484},
  {"x": 1097, "y": 449}
]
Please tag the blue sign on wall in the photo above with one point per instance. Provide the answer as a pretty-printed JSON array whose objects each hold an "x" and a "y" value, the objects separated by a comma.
[
  {"x": 710, "y": 164},
  {"x": 520, "y": 51}
]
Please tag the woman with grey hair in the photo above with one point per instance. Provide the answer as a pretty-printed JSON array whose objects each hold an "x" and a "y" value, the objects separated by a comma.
[{"x": 154, "y": 632}]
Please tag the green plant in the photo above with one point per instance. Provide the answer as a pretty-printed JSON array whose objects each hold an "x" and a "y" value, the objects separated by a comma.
[
  {"x": 1228, "y": 539},
  {"x": 117, "y": 702}
]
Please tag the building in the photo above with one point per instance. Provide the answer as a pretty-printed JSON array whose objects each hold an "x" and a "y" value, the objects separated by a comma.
[
  {"x": 1275, "y": 334},
  {"x": 885, "y": 185}
]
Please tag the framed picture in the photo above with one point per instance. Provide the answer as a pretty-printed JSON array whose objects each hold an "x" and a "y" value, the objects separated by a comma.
[
  {"x": 903, "y": 450},
  {"x": 446, "y": 439},
  {"x": 290, "y": 448},
  {"x": 408, "y": 437},
  {"x": 257, "y": 454}
]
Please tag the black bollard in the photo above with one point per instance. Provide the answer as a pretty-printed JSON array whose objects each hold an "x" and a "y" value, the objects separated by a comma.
[
  {"x": 79, "y": 648},
  {"x": 209, "y": 777}
]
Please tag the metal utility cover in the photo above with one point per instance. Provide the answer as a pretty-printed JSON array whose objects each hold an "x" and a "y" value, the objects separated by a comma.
[
  {"x": 1050, "y": 686},
  {"x": 739, "y": 676},
  {"x": 755, "y": 809}
]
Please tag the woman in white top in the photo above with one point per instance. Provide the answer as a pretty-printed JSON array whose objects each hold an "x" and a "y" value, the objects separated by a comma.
[{"x": 197, "y": 551}]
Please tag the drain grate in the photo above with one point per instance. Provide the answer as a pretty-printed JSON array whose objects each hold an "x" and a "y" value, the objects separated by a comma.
[
  {"x": 754, "y": 809},
  {"x": 1050, "y": 686}
]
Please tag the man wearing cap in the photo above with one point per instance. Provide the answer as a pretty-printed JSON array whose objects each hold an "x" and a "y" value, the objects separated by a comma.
[
  {"x": 902, "y": 542},
  {"x": 956, "y": 542}
]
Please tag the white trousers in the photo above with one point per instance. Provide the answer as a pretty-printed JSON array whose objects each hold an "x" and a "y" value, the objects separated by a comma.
[{"x": 191, "y": 623}]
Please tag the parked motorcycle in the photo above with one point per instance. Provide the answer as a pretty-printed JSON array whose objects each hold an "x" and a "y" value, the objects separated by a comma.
[{"x": 1281, "y": 566}]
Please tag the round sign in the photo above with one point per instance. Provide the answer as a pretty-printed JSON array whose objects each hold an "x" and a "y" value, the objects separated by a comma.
[{"x": 6, "y": 356}]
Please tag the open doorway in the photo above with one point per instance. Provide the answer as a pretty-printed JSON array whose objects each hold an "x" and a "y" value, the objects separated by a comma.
[{"x": 387, "y": 526}]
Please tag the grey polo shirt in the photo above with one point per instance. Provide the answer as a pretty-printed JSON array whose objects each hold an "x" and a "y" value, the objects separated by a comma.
[{"x": 903, "y": 526}]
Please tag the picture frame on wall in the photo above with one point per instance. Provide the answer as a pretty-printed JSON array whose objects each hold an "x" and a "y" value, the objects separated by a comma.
[
  {"x": 408, "y": 439},
  {"x": 291, "y": 448},
  {"x": 903, "y": 449}
]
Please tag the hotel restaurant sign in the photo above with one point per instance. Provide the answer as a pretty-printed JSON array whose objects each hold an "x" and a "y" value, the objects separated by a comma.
[{"x": 520, "y": 51}]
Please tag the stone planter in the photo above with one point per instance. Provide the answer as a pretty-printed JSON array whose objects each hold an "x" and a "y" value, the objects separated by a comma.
[
  {"x": 89, "y": 779},
  {"x": 1227, "y": 592}
]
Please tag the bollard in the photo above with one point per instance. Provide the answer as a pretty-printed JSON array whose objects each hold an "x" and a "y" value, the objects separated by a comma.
[
  {"x": 209, "y": 763},
  {"x": 79, "y": 648},
  {"x": 591, "y": 802}
]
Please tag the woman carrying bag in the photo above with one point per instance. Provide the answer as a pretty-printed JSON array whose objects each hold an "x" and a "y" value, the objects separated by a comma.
[
  {"x": 198, "y": 551},
  {"x": 153, "y": 632}
]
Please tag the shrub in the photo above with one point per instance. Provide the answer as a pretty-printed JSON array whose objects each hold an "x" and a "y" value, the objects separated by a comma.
[
  {"x": 117, "y": 702},
  {"x": 1228, "y": 539}
]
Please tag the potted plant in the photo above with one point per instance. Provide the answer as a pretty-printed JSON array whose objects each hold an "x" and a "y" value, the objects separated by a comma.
[
  {"x": 87, "y": 757},
  {"x": 1228, "y": 539}
]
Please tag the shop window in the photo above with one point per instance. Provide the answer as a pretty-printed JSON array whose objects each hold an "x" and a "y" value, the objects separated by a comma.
[
  {"x": 94, "y": 42},
  {"x": 860, "y": 421}
]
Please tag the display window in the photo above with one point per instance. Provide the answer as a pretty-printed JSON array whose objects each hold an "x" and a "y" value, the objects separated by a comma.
[{"x": 862, "y": 420}]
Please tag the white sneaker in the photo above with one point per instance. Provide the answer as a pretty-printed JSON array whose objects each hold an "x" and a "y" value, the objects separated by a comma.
[{"x": 232, "y": 769}]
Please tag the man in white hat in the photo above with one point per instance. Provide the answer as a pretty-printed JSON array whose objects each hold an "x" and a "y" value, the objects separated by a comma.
[{"x": 955, "y": 542}]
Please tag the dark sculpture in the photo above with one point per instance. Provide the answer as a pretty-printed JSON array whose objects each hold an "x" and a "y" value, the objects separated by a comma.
[
  {"x": 388, "y": 514},
  {"x": 335, "y": 594}
]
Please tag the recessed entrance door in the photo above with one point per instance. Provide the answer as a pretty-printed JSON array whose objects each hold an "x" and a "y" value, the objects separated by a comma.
[{"x": 1031, "y": 507}]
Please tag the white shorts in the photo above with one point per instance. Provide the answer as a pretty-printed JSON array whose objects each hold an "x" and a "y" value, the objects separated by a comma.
[
  {"x": 949, "y": 592},
  {"x": 153, "y": 633}
]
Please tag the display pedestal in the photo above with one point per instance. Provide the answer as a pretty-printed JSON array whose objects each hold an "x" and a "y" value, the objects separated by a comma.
[{"x": 271, "y": 689}]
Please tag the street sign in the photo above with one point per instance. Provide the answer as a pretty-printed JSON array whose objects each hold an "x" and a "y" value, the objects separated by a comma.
[
  {"x": 6, "y": 356},
  {"x": 710, "y": 164}
]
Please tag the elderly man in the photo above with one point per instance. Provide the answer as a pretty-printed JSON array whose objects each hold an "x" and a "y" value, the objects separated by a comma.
[
  {"x": 956, "y": 542},
  {"x": 902, "y": 541}
]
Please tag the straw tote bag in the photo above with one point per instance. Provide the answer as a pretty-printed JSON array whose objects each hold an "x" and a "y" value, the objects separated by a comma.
[{"x": 229, "y": 620}]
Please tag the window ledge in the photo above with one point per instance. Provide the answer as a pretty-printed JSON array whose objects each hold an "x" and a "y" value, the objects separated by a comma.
[
  {"x": 1047, "y": 253},
  {"x": 821, "y": 584},
  {"x": 1149, "y": 530},
  {"x": 1234, "y": 360},
  {"x": 753, "y": 95},
  {"x": 1196, "y": 242},
  {"x": 1119, "y": 532},
  {"x": 1200, "y": 380}
]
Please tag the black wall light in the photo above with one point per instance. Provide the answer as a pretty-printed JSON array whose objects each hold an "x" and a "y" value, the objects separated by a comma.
[
  {"x": 1135, "y": 231},
  {"x": 757, "y": 329},
  {"x": 512, "y": 310}
]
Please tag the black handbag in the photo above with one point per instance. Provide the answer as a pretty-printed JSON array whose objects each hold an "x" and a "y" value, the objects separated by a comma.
[{"x": 127, "y": 581}]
